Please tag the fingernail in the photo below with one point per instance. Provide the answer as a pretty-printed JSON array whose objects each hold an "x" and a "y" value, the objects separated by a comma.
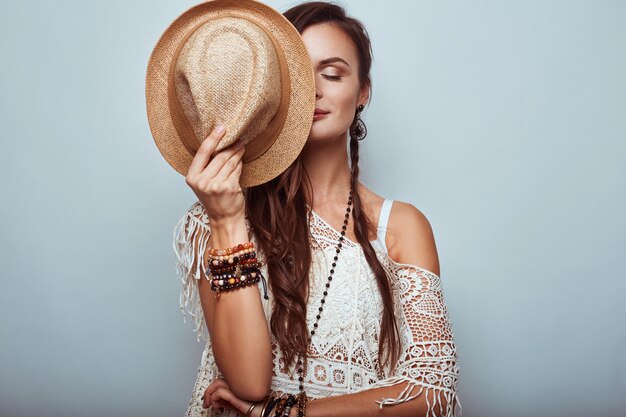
[{"x": 219, "y": 129}]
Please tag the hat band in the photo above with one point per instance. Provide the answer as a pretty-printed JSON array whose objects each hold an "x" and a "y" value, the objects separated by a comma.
[{"x": 260, "y": 144}]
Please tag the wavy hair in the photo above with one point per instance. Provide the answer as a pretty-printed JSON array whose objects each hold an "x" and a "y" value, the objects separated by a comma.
[{"x": 277, "y": 211}]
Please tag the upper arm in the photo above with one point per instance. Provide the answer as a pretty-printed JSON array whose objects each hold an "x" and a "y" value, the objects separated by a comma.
[
  {"x": 428, "y": 363},
  {"x": 413, "y": 241}
]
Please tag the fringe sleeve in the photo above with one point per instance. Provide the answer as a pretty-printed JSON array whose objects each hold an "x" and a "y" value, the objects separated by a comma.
[
  {"x": 428, "y": 362},
  {"x": 191, "y": 237}
]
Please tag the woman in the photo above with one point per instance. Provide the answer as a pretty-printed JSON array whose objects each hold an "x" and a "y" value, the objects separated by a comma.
[{"x": 370, "y": 337}]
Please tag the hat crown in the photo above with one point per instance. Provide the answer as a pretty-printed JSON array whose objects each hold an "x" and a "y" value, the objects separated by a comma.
[
  {"x": 228, "y": 72},
  {"x": 270, "y": 110}
]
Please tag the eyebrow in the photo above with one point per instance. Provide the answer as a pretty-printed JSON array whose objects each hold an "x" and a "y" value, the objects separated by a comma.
[{"x": 333, "y": 59}]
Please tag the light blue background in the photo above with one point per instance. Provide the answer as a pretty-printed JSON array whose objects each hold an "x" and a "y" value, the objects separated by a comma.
[{"x": 503, "y": 121}]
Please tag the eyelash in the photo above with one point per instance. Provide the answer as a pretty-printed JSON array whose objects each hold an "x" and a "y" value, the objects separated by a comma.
[{"x": 332, "y": 77}]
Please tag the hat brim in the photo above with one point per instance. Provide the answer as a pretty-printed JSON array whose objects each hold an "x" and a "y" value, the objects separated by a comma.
[{"x": 294, "y": 132}]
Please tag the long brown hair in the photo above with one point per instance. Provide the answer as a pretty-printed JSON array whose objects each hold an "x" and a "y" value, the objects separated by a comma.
[{"x": 278, "y": 215}]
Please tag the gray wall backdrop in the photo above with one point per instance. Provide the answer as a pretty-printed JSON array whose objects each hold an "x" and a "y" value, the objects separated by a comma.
[{"x": 503, "y": 121}]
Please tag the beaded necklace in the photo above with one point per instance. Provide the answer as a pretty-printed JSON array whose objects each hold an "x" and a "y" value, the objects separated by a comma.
[{"x": 301, "y": 401}]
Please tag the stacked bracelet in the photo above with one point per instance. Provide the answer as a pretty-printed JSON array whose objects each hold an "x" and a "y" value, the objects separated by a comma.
[
  {"x": 281, "y": 406},
  {"x": 270, "y": 406},
  {"x": 234, "y": 267},
  {"x": 291, "y": 400}
]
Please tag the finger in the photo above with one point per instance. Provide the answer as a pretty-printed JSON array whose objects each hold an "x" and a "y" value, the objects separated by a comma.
[
  {"x": 218, "y": 399},
  {"x": 220, "y": 159},
  {"x": 215, "y": 384},
  {"x": 205, "y": 151},
  {"x": 223, "y": 394},
  {"x": 235, "y": 176},
  {"x": 230, "y": 166},
  {"x": 206, "y": 398}
]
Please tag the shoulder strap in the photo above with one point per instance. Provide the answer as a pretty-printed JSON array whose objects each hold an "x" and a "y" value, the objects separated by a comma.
[{"x": 383, "y": 220}]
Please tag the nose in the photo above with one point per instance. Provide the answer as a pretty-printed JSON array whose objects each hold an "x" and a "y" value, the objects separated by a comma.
[{"x": 318, "y": 91}]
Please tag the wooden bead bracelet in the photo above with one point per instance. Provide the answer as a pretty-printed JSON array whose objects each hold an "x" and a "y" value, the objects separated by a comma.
[
  {"x": 213, "y": 252},
  {"x": 234, "y": 267},
  {"x": 219, "y": 285},
  {"x": 280, "y": 406},
  {"x": 245, "y": 258}
]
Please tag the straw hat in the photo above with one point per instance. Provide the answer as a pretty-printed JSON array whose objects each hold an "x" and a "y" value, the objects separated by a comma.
[{"x": 237, "y": 63}]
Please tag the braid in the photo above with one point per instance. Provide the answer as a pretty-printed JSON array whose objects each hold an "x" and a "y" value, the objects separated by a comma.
[{"x": 389, "y": 334}]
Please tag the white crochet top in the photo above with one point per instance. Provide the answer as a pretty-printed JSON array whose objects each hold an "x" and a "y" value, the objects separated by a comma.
[{"x": 346, "y": 342}]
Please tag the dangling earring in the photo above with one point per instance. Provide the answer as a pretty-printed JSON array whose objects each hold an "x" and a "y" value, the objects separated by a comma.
[{"x": 358, "y": 131}]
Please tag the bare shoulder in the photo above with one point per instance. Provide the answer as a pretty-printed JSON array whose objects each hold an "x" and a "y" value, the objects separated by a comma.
[
  {"x": 410, "y": 237},
  {"x": 372, "y": 204}
]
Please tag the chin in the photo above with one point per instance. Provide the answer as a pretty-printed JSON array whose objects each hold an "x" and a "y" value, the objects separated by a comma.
[
  {"x": 319, "y": 138},
  {"x": 322, "y": 133}
]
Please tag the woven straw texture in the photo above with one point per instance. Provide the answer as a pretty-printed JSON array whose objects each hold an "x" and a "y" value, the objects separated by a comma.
[{"x": 239, "y": 63}]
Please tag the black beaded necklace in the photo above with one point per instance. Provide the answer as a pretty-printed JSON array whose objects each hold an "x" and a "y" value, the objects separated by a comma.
[{"x": 302, "y": 394}]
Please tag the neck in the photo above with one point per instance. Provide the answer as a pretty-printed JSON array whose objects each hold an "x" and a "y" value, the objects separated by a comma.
[{"x": 328, "y": 168}]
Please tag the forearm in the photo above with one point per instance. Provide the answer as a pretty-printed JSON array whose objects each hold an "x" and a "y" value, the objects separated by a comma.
[
  {"x": 362, "y": 404},
  {"x": 239, "y": 331},
  {"x": 241, "y": 343}
]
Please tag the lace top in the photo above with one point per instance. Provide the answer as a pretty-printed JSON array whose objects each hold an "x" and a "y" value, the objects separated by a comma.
[{"x": 345, "y": 345}]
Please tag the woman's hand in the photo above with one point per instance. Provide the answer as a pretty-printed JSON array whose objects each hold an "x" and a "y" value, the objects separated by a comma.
[
  {"x": 218, "y": 394},
  {"x": 215, "y": 179}
]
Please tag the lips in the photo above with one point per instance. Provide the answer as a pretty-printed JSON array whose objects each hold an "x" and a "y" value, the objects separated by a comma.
[{"x": 320, "y": 111}]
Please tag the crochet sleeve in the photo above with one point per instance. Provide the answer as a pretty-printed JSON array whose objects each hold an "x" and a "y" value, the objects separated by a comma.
[
  {"x": 190, "y": 240},
  {"x": 428, "y": 362}
]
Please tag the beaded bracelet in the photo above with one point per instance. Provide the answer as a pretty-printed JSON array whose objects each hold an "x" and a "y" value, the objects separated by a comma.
[
  {"x": 280, "y": 407},
  {"x": 239, "y": 279},
  {"x": 213, "y": 252},
  {"x": 234, "y": 267},
  {"x": 242, "y": 276},
  {"x": 301, "y": 404},
  {"x": 221, "y": 273},
  {"x": 270, "y": 407},
  {"x": 274, "y": 406},
  {"x": 216, "y": 271},
  {"x": 228, "y": 261},
  {"x": 223, "y": 263},
  {"x": 291, "y": 400}
]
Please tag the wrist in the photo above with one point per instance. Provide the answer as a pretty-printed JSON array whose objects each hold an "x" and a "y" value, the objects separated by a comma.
[
  {"x": 260, "y": 406},
  {"x": 228, "y": 232}
]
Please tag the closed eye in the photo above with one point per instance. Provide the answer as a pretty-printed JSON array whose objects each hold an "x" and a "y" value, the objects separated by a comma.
[{"x": 332, "y": 77}]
